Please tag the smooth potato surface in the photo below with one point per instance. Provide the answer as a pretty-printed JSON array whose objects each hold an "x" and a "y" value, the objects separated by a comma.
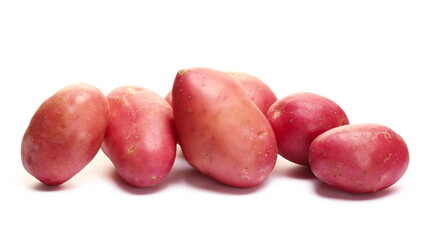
[
  {"x": 140, "y": 138},
  {"x": 359, "y": 158},
  {"x": 299, "y": 118},
  {"x": 221, "y": 132},
  {"x": 65, "y": 133}
]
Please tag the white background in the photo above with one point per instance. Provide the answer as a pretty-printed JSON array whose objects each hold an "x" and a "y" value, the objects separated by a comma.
[{"x": 371, "y": 57}]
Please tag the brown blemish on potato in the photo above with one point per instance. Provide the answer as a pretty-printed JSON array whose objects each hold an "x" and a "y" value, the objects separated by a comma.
[
  {"x": 131, "y": 149},
  {"x": 335, "y": 174},
  {"x": 277, "y": 113},
  {"x": 262, "y": 133},
  {"x": 154, "y": 178},
  {"x": 182, "y": 72}
]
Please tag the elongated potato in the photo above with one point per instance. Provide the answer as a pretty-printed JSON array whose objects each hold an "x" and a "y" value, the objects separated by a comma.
[
  {"x": 140, "y": 139},
  {"x": 258, "y": 91},
  {"x": 65, "y": 133},
  {"x": 221, "y": 132},
  {"x": 359, "y": 158}
]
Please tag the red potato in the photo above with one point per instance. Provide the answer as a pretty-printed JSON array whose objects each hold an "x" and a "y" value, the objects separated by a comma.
[
  {"x": 140, "y": 139},
  {"x": 65, "y": 133},
  {"x": 221, "y": 132},
  {"x": 298, "y": 119},
  {"x": 259, "y": 92},
  {"x": 359, "y": 158}
]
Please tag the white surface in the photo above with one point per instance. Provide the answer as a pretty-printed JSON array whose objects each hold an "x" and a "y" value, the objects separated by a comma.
[{"x": 371, "y": 57}]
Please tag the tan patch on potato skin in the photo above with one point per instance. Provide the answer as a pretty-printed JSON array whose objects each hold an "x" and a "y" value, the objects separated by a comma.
[
  {"x": 277, "y": 113},
  {"x": 131, "y": 149},
  {"x": 182, "y": 71}
]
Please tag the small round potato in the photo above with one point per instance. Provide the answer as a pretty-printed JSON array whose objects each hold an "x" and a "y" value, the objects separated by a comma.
[
  {"x": 299, "y": 118},
  {"x": 359, "y": 158}
]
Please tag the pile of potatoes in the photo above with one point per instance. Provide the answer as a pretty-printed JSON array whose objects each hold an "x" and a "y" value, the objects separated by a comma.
[{"x": 230, "y": 126}]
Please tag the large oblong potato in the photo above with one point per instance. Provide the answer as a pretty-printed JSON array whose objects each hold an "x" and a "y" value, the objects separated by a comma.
[
  {"x": 221, "y": 132},
  {"x": 140, "y": 139},
  {"x": 65, "y": 133},
  {"x": 359, "y": 158}
]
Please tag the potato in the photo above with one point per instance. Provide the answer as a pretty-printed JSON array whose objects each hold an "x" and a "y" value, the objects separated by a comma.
[
  {"x": 221, "y": 132},
  {"x": 359, "y": 158},
  {"x": 65, "y": 133},
  {"x": 299, "y": 118},
  {"x": 140, "y": 139},
  {"x": 259, "y": 92}
]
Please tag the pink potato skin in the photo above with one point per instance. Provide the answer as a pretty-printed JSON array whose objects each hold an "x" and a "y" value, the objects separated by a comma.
[
  {"x": 140, "y": 139},
  {"x": 359, "y": 158},
  {"x": 65, "y": 133},
  {"x": 221, "y": 132},
  {"x": 258, "y": 91},
  {"x": 298, "y": 119}
]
